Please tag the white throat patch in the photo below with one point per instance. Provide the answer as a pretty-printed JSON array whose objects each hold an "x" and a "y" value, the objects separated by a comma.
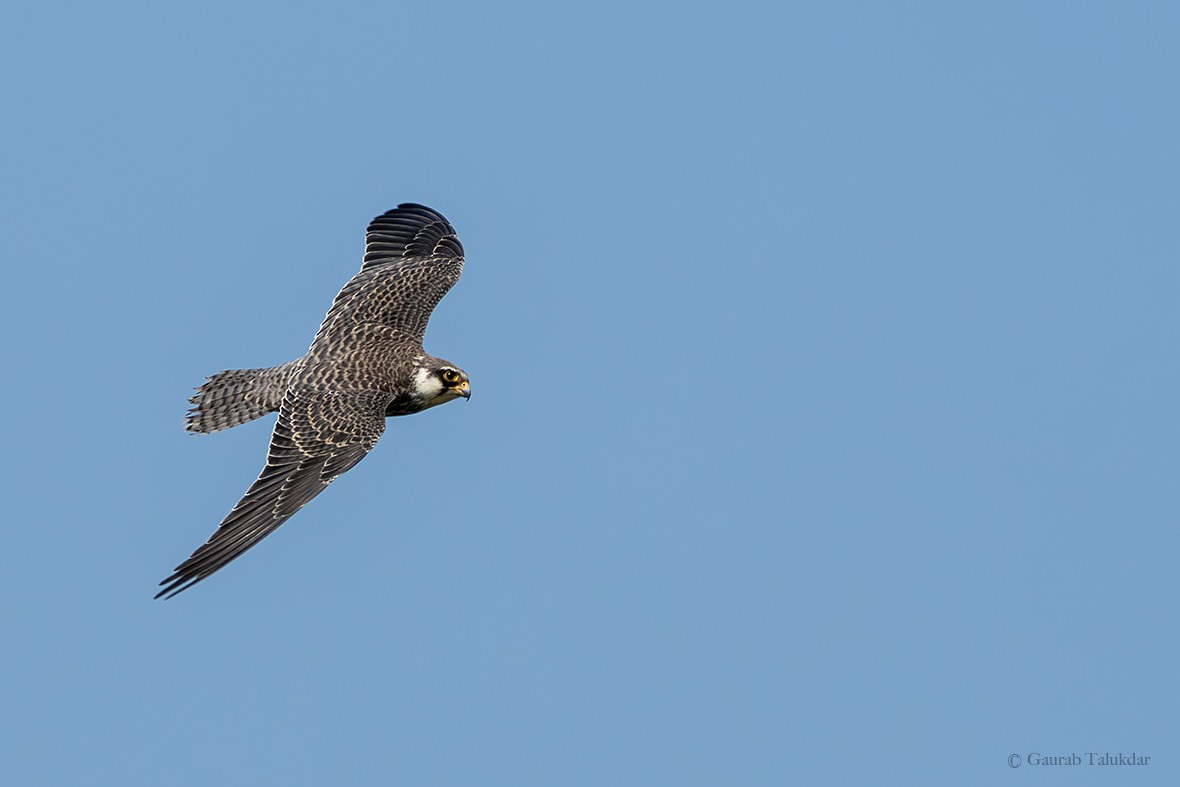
[{"x": 430, "y": 388}]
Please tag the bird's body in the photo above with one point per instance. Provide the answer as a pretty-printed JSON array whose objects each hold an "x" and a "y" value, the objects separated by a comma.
[{"x": 366, "y": 363}]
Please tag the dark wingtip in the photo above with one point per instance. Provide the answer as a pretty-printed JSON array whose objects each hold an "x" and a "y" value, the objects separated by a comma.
[
  {"x": 410, "y": 230},
  {"x": 173, "y": 585}
]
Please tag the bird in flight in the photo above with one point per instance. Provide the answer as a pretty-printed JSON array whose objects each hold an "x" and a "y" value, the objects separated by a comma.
[{"x": 365, "y": 364}]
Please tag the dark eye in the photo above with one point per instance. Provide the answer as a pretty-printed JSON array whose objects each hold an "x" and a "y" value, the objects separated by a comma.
[{"x": 450, "y": 376}]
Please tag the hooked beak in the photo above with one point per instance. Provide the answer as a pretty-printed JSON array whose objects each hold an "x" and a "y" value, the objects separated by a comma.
[{"x": 463, "y": 389}]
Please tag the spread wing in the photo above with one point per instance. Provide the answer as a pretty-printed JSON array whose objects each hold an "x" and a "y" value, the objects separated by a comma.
[
  {"x": 319, "y": 435},
  {"x": 412, "y": 258}
]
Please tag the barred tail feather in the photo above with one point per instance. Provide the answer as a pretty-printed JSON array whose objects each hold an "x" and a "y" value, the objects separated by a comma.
[{"x": 236, "y": 396}]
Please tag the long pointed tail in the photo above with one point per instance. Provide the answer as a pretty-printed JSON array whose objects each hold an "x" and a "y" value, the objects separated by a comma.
[{"x": 236, "y": 396}]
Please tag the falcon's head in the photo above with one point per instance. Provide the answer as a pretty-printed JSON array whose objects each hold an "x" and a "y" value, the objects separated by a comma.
[{"x": 439, "y": 381}]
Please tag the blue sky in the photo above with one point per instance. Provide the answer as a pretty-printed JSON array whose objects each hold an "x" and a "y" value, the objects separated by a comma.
[{"x": 823, "y": 427}]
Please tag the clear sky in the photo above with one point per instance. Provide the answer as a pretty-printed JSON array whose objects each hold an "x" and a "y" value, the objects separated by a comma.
[{"x": 825, "y": 387}]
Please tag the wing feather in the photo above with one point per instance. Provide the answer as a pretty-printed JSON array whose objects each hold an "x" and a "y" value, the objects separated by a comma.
[
  {"x": 318, "y": 435},
  {"x": 412, "y": 259}
]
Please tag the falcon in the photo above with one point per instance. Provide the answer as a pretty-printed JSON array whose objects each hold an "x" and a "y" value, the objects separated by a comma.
[{"x": 365, "y": 364}]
